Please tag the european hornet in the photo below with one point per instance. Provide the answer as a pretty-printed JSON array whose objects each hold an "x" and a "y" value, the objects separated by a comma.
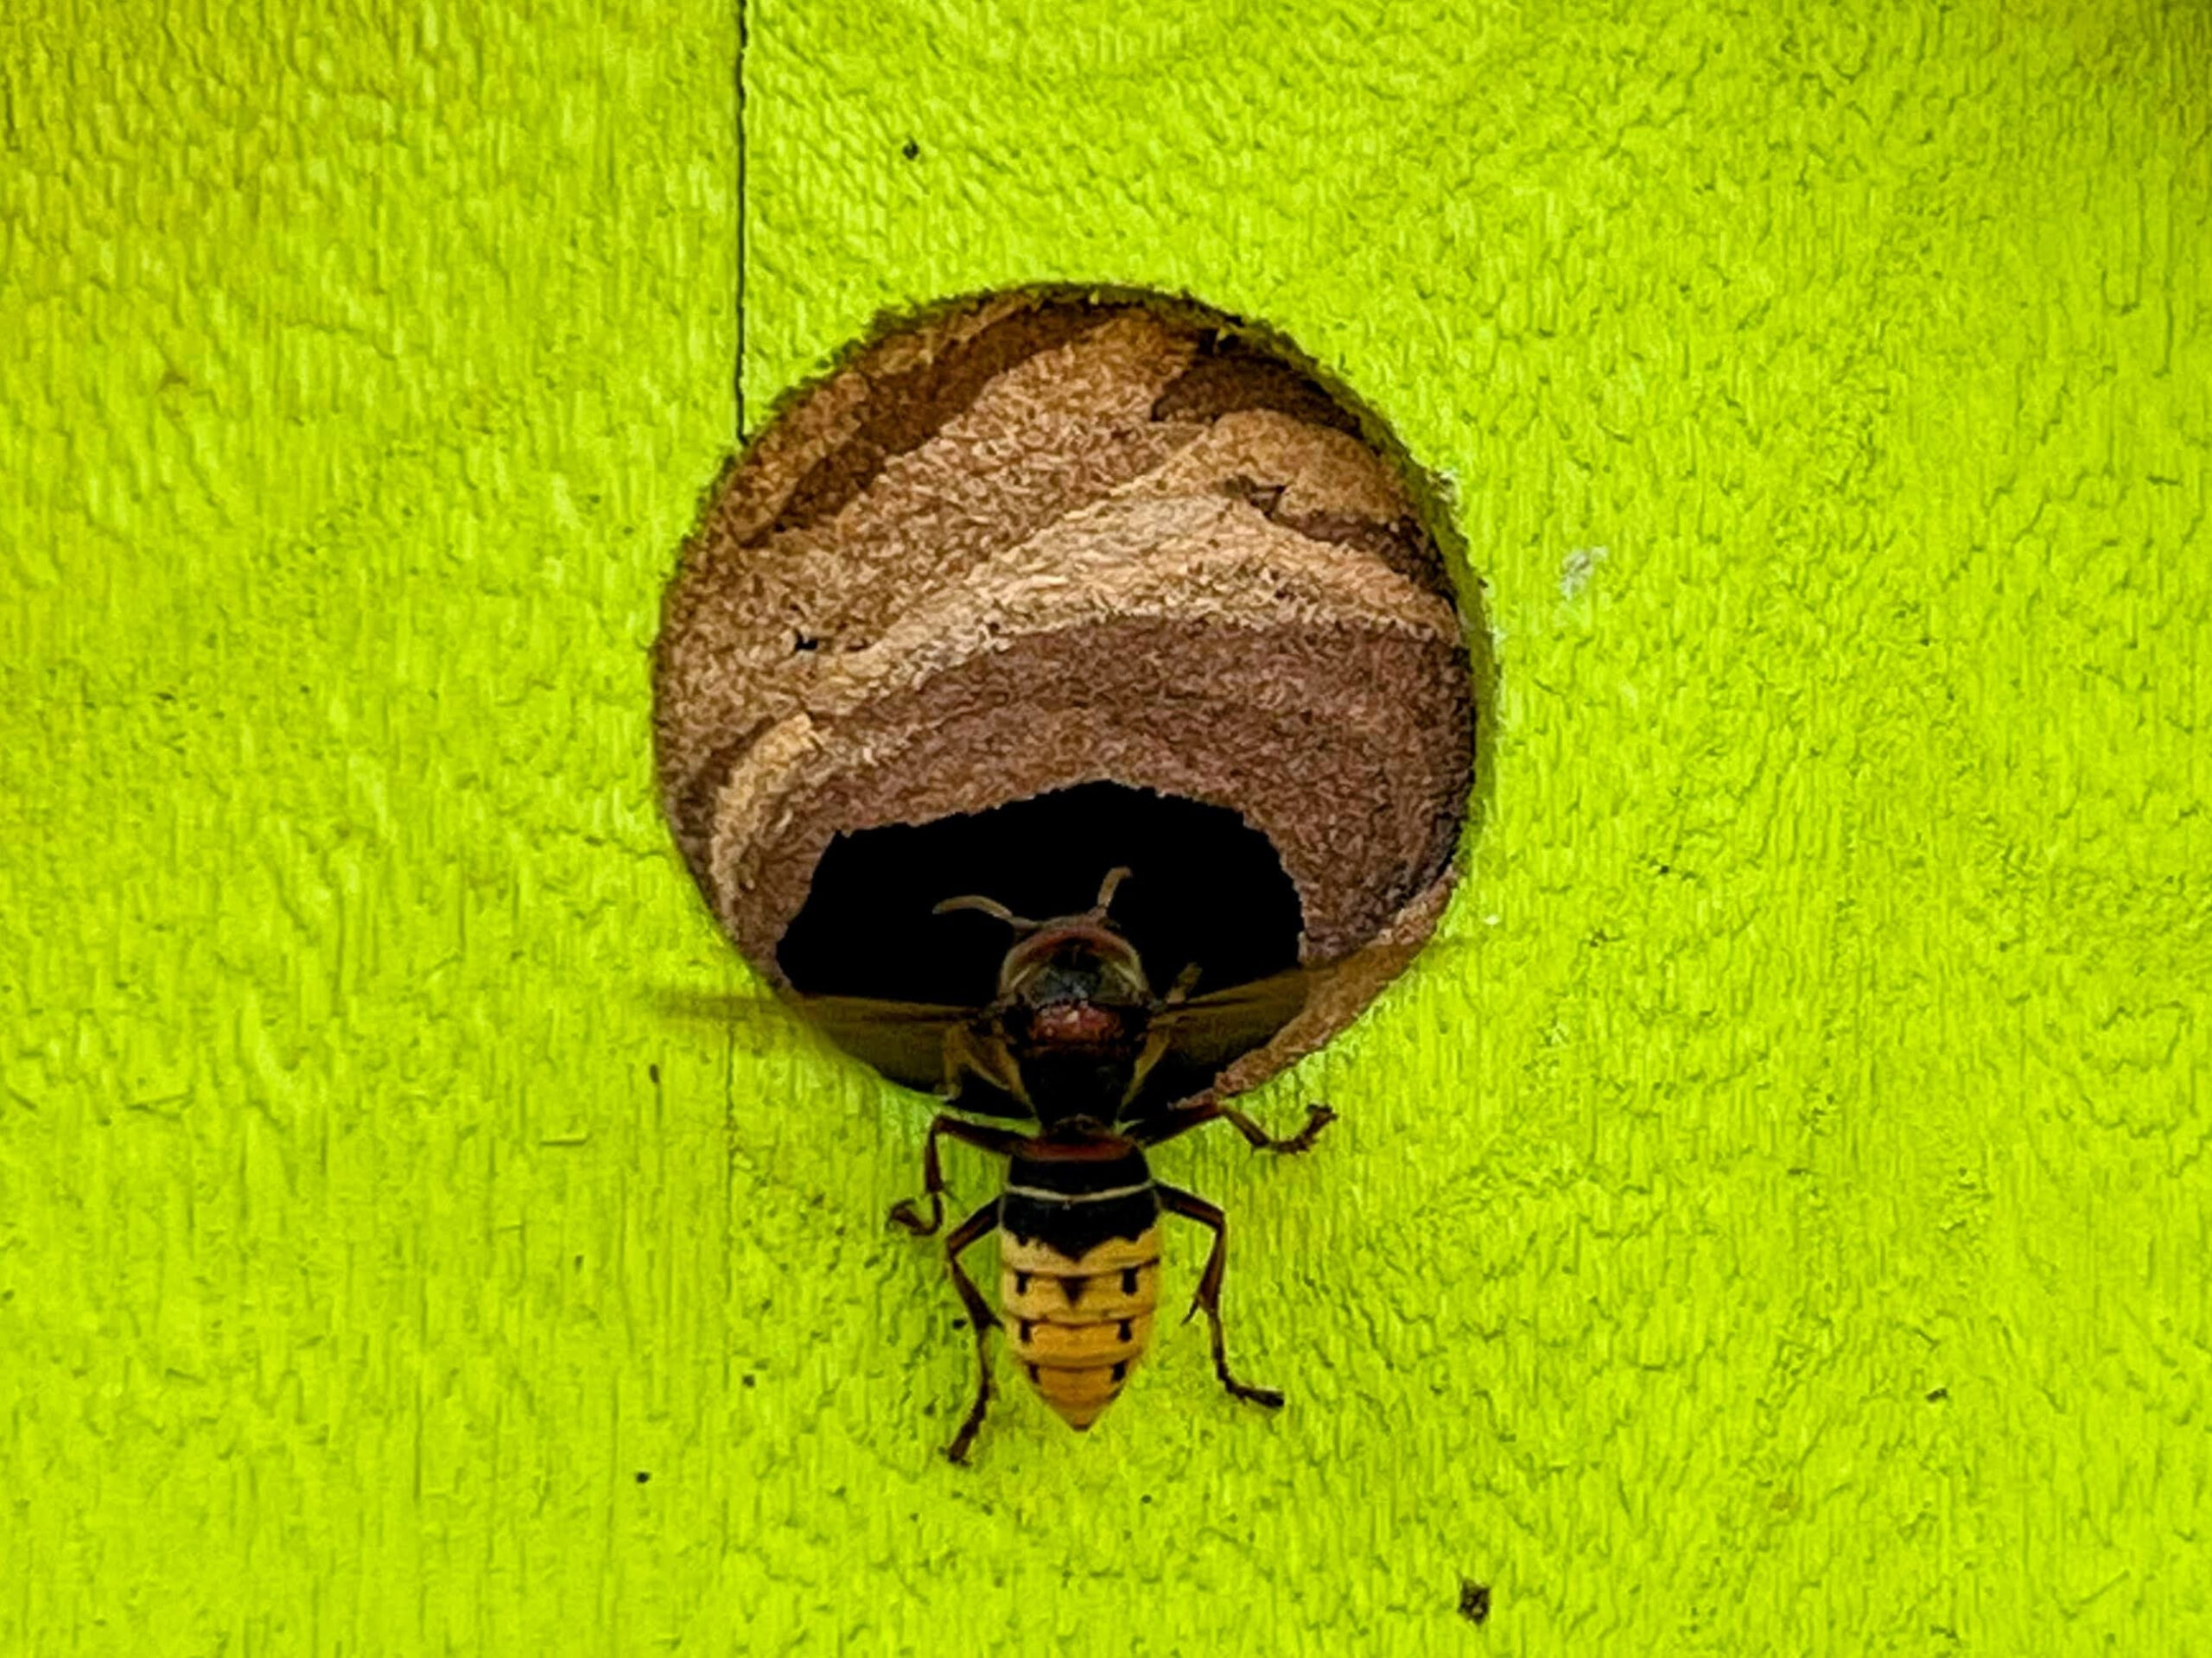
[{"x": 1071, "y": 1038}]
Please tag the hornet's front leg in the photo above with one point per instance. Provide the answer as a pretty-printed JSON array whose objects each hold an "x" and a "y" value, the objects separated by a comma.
[
  {"x": 1208, "y": 1299},
  {"x": 978, "y": 1049},
  {"x": 1000, "y": 1142},
  {"x": 1157, "y": 1039}
]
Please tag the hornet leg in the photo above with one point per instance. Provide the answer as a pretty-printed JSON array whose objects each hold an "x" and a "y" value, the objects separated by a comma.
[
  {"x": 1156, "y": 1043},
  {"x": 1208, "y": 1299},
  {"x": 998, "y": 1141},
  {"x": 976, "y": 1050},
  {"x": 1206, "y": 1108},
  {"x": 980, "y": 1318}
]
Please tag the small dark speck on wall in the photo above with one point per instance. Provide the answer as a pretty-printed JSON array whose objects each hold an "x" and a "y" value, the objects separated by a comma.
[
  {"x": 913, "y": 150},
  {"x": 643, "y": 1477},
  {"x": 1474, "y": 1601},
  {"x": 1936, "y": 1395}
]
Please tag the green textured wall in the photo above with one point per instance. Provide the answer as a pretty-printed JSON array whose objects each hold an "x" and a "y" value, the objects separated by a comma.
[{"x": 1781, "y": 1228}]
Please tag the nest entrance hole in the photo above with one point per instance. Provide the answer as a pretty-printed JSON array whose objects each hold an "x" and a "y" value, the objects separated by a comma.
[
  {"x": 1043, "y": 539},
  {"x": 1204, "y": 886}
]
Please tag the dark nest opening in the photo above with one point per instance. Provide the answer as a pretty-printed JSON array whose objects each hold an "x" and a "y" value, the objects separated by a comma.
[{"x": 1204, "y": 886}]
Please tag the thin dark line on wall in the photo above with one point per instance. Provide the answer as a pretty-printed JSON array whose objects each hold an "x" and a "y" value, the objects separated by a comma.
[
  {"x": 737, "y": 381},
  {"x": 737, "y": 390}
]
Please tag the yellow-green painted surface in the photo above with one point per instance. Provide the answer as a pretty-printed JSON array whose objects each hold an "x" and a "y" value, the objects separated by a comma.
[{"x": 1779, "y": 1226}]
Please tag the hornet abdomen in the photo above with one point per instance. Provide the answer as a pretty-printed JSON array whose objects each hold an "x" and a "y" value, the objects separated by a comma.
[{"x": 1079, "y": 1267}]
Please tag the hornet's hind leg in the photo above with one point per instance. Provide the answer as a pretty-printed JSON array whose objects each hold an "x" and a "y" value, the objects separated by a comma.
[
  {"x": 1208, "y": 1299},
  {"x": 980, "y": 1224}
]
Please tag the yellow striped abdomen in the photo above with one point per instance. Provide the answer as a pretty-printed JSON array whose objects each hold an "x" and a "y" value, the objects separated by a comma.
[{"x": 1078, "y": 1324}]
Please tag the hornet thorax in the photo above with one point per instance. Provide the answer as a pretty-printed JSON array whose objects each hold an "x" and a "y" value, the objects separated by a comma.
[{"x": 1074, "y": 1009}]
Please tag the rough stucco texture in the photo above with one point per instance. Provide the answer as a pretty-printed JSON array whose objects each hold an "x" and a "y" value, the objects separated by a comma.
[{"x": 1778, "y": 1224}]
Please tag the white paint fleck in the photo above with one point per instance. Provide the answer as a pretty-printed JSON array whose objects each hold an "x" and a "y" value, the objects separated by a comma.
[{"x": 1581, "y": 564}]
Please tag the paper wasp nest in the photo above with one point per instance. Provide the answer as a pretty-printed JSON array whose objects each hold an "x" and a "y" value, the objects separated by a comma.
[{"x": 1047, "y": 540}]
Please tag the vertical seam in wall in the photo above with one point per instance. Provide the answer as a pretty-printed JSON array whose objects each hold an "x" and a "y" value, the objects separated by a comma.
[
  {"x": 738, "y": 380},
  {"x": 729, "y": 1047}
]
